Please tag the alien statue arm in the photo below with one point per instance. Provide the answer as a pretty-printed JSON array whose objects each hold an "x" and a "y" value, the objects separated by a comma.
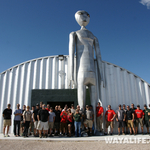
[
  {"x": 99, "y": 59},
  {"x": 71, "y": 54}
]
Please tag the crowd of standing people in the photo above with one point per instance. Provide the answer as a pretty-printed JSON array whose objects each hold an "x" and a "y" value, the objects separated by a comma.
[{"x": 46, "y": 122}]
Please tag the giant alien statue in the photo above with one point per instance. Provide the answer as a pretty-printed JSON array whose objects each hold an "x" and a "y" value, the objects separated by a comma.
[{"x": 84, "y": 43}]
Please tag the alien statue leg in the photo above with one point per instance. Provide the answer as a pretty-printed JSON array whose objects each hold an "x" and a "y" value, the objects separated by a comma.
[
  {"x": 93, "y": 97},
  {"x": 81, "y": 91}
]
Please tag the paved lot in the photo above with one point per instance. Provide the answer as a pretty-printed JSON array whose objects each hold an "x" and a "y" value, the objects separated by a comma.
[
  {"x": 83, "y": 143},
  {"x": 65, "y": 145}
]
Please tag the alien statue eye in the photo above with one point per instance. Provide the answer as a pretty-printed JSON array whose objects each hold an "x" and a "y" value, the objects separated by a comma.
[
  {"x": 88, "y": 15},
  {"x": 80, "y": 13}
]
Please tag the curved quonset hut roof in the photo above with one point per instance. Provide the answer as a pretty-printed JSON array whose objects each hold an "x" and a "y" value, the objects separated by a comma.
[{"x": 16, "y": 83}]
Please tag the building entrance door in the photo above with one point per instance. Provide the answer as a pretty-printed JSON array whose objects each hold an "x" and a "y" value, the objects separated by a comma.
[{"x": 57, "y": 97}]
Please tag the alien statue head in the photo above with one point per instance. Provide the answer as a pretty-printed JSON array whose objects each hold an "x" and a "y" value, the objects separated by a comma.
[{"x": 82, "y": 18}]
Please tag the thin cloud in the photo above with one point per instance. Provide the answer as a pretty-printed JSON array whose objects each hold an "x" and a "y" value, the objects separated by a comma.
[{"x": 146, "y": 3}]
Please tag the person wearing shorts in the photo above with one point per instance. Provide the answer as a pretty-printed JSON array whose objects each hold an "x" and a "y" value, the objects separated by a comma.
[
  {"x": 63, "y": 122},
  {"x": 51, "y": 121},
  {"x": 130, "y": 119},
  {"x": 43, "y": 117},
  {"x": 57, "y": 120},
  {"x": 133, "y": 109},
  {"x": 35, "y": 120},
  {"x": 89, "y": 119},
  {"x": 109, "y": 116},
  {"x": 99, "y": 117},
  {"x": 139, "y": 118},
  {"x": 146, "y": 118},
  {"x": 7, "y": 119},
  {"x": 120, "y": 118}
]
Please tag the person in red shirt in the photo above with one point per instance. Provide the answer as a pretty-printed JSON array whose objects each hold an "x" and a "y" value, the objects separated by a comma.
[
  {"x": 48, "y": 107},
  {"x": 139, "y": 114},
  {"x": 109, "y": 116},
  {"x": 99, "y": 116},
  {"x": 69, "y": 121},
  {"x": 63, "y": 122}
]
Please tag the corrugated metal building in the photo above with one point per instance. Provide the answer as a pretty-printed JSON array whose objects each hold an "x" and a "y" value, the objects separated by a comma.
[{"x": 16, "y": 83}]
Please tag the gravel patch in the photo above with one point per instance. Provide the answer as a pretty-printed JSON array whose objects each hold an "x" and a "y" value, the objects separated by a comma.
[{"x": 67, "y": 145}]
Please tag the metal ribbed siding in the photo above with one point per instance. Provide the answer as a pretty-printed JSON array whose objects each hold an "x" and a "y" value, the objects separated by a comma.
[
  {"x": 16, "y": 83},
  {"x": 43, "y": 73},
  {"x": 123, "y": 87}
]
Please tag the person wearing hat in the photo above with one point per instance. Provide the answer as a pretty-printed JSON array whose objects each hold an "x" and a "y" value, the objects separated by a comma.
[
  {"x": 139, "y": 114},
  {"x": 7, "y": 119},
  {"x": 120, "y": 118},
  {"x": 35, "y": 120},
  {"x": 146, "y": 117}
]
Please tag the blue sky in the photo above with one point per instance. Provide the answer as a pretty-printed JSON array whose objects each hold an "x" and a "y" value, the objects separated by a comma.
[{"x": 35, "y": 28}]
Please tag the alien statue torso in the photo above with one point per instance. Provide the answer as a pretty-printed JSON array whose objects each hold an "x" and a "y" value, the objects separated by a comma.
[{"x": 84, "y": 51}]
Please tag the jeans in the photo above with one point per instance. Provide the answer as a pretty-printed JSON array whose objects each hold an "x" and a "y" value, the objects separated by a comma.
[
  {"x": 16, "y": 123},
  {"x": 26, "y": 127},
  {"x": 77, "y": 128}
]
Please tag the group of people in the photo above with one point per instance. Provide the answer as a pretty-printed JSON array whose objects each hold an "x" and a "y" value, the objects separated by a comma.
[
  {"x": 44, "y": 121},
  {"x": 128, "y": 119}
]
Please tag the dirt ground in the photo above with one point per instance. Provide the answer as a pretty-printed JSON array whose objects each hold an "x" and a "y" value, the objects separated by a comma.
[{"x": 67, "y": 145}]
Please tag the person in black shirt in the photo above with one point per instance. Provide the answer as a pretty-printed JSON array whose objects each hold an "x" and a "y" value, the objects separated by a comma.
[
  {"x": 7, "y": 119},
  {"x": 146, "y": 117},
  {"x": 133, "y": 109},
  {"x": 43, "y": 117},
  {"x": 130, "y": 119},
  {"x": 35, "y": 120},
  {"x": 57, "y": 120}
]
